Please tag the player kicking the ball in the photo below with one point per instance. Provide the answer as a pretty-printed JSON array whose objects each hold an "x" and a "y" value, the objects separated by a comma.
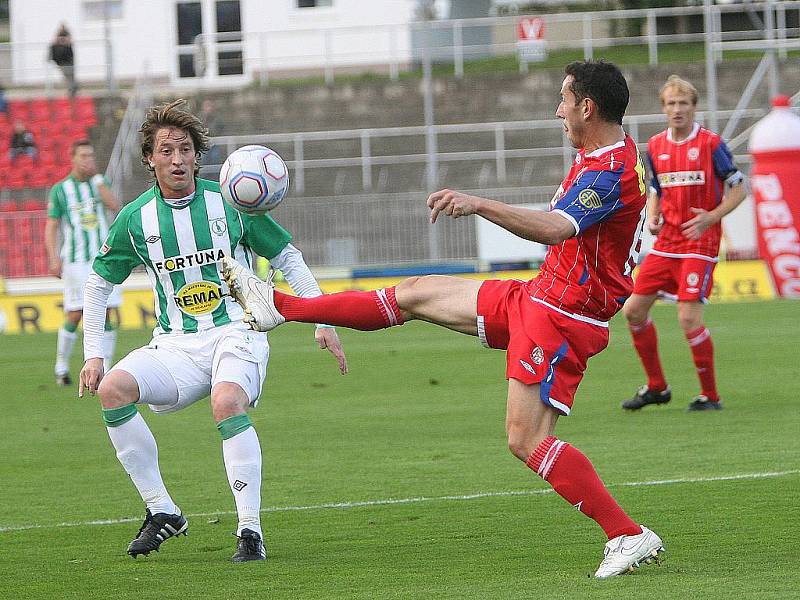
[
  {"x": 179, "y": 230},
  {"x": 549, "y": 326}
]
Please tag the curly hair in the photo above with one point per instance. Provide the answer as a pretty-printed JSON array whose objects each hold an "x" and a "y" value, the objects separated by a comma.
[{"x": 172, "y": 114}]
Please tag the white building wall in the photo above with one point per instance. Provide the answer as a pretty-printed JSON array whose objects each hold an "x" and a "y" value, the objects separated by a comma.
[{"x": 277, "y": 36}]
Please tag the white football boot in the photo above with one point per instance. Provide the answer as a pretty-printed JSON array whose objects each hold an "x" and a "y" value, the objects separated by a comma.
[
  {"x": 626, "y": 552},
  {"x": 256, "y": 297}
]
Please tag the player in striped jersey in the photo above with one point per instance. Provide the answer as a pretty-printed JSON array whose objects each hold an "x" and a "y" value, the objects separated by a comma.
[
  {"x": 78, "y": 211},
  {"x": 694, "y": 184},
  {"x": 549, "y": 326},
  {"x": 179, "y": 230}
]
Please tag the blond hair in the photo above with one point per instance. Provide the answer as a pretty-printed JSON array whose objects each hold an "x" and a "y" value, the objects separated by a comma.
[
  {"x": 172, "y": 114},
  {"x": 680, "y": 84}
]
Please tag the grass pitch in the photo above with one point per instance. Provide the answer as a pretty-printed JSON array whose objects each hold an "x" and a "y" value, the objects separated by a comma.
[{"x": 395, "y": 481}]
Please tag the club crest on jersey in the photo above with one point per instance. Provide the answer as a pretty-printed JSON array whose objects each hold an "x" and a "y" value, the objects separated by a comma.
[
  {"x": 693, "y": 153},
  {"x": 198, "y": 298},
  {"x": 589, "y": 198},
  {"x": 187, "y": 261},
  {"x": 693, "y": 279},
  {"x": 681, "y": 178},
  {"x": 218, "y": 226}
]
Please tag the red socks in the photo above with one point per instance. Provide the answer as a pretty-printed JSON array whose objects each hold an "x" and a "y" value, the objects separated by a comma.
[
  {"x": 573, "y": 478},
  {"x": 703, "y": 355},
  {"x": 366, "y": 311},
  {"x": 645, "y": 341}
]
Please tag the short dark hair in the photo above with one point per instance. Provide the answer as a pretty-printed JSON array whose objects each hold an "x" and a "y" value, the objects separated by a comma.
[
  {"x": 173, "y": 114},
  {"x": 604, "y": 84},
  {"x": 73, "y": 148}
]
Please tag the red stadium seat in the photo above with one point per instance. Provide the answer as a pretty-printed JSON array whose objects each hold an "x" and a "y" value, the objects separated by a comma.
[
  {"x": 33, "y": 204},
  {"x": 40, "y": 178},
  {"x": 16, "y": 179},
  {"x": 40, "y": 109},
  {"x": 8, "y": 206},
  {"x": 18, "y": 109}
]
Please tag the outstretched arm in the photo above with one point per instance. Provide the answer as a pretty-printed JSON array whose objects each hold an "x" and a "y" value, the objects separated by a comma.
[{"x": 535, "y": 225}]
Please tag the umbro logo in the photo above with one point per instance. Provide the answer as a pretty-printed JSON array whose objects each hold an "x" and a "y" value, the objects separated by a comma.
[
  {"x": 153, "y": 239},
  {"x": 239, "y": 485}
]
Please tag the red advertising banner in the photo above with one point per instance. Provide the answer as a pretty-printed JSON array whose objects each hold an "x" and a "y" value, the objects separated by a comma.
[{"x": 776, "y": 190}]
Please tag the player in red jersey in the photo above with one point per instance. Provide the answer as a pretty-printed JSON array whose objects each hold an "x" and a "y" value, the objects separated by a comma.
[
  {"x": 549, "y": 326},
  {"x": 694, "y": 185}
]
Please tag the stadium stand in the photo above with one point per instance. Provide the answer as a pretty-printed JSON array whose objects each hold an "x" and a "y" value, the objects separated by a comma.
[{"x": 55, "y": 124}]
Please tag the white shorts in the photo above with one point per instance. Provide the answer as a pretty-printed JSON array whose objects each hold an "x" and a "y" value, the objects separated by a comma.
[
  {"x": 74, "y": 276},
  {"x": 176, "y": 370}
]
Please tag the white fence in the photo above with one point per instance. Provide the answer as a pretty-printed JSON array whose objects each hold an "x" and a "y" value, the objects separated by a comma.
[{"x": 330, "y": 49}]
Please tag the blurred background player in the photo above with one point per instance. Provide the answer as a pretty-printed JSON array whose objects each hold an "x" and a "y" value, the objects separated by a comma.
[
  {"x": 551, "y": 325},
  {"x": 80, "y": 208},
  {"x": 179, "y": 230},
  {"x": 694, "y": 185}
]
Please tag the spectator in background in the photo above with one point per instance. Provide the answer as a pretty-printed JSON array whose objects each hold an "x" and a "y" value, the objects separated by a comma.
[
  {"x": 22, "y": 142},
  {"x": 3, "y": 100},
  {"x": 61, "y": 54}
]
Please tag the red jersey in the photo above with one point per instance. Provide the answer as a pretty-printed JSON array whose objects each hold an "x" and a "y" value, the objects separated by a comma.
[
  {"x": 689, "y": 174},
  {"x": 588, "y": 276}
]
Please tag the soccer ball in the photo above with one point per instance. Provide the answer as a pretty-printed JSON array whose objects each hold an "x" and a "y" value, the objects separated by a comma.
[{"x": 254, "y": 179}]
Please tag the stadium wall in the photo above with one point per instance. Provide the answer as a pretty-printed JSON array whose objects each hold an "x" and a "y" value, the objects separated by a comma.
[{"x": 743, "y": 281}]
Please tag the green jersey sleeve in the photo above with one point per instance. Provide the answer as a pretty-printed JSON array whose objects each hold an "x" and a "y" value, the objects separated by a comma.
[
  {"x": 55, "y": 206},
  {"x": 264, "y": 235},
  {"x": 117, "y": 256}
]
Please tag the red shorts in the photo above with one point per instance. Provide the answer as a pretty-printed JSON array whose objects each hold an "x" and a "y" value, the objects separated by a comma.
[
  {"x": 688, "y": 279},
  {"x": 542, "y": 345}
]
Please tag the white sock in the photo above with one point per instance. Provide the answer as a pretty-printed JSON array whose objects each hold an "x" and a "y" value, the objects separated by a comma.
[
  {"x": 109, "y": 343},
  {"x": 66, "y": 340},
  {"x": 242, "y": 455},
  {"x": 137, "y": 451}
]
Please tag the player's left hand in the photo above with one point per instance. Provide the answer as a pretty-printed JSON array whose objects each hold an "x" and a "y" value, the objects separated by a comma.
[
  {"x": 453, "y": 204},
  {"x": 694, "y": 227},
  {"x": 328, "y": 339}
]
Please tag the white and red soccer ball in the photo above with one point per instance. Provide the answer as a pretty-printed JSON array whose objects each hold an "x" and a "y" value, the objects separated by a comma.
[{"x": 254, "y": 179}]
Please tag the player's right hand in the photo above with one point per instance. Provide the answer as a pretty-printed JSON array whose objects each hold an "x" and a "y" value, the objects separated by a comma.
[
  {"x": 91, "y": 376},
  {"x": 54, "y": 268},
  {"x": 654, "y": 224},
  {"x": 453, "y": 204}
]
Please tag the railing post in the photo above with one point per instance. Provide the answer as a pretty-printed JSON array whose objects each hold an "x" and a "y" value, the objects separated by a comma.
[
  {"x": 588, "y": 48},
  {"x": 394, "y": 69},
  {"x": 264, "y": 79},
  {"x": 366, "y": 160},
  {"x": 431, "y": 149},
  {"x": 299, "y": 176},
  {"x": 781, "y": 18},
  {"x": 711, "y": 65},
  {"x": 500, "y": 152},
  {"x": 652, "y": 37},
  {"x": 328, "y": 57},
  {"x": 458, "y": 49}
]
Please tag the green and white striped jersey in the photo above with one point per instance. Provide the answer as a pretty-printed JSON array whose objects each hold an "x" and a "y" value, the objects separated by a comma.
[
  {"x": 82, "y": 218},
  {"x": 182, "y": 249}
]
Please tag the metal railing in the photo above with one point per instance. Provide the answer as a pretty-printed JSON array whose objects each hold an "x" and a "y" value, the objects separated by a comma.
[{"x": 533, "y": 139}]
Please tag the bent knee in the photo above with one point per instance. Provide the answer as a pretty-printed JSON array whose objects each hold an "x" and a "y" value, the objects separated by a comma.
[
  {"x": 523, "y": 444},
  {"x": 228, "y": 400},
  {"x": 115, "y": 390}
]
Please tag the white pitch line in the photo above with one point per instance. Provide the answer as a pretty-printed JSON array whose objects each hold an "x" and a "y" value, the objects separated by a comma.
[{"x": 419, "y": 499}]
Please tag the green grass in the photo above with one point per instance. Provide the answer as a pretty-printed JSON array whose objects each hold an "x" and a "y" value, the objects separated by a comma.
[{"x": 420, "y": 415}]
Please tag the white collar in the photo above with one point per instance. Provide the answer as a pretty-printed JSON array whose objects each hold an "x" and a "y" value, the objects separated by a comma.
[
  {"x": 605, "y": 149},
  {"x": 688, "y": 138}
]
